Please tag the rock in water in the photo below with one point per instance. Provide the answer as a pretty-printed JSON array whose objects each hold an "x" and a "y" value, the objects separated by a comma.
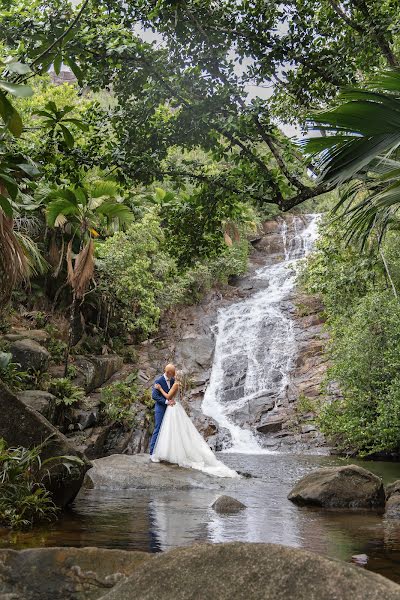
[
  {"x": 20, "y": 425},
  {"x": 339, "y": 487},
  {"x": 123, "y": 472},
  {"x": 241, "y": 571},
  {"x": 392, "y": 508},
  {"x": 227, "y": 504},
  {"x": 64, "y": 573}
]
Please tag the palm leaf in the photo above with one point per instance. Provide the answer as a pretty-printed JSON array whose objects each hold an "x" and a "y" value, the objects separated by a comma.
[
  {"x": 106, "y": 189},
  {"x": 115, "y": 210},
  {"x": 36, "y": 262},
  {"x": 13, "y": 263},
  {"x": 58, "y": 207}
]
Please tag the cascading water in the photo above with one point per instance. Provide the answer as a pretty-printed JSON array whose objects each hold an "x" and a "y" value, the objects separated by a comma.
[{"x": 255, "y": 343}]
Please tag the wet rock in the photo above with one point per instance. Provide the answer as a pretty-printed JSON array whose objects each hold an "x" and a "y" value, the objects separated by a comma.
[
  {"x": 195, "y": 351},
  {"x": 30, "y": 355},
  {"x": 121, "y": 472},
  {"x": 392, "y": 507},
  {"x": 272, "y": 425},
  {"x": 360, "y": 559},
  {"x": 220, "y": 440},
  {"x": 246, "y": 571},
  {"x": 20, "y": 425},
  {"x": 64, "y": 573},
  {"x": 339, "y": 487},
  {"x": 41, "y": 401},
  {"x": 93, "y": 371},
  {"x": 227, "y": 504}
]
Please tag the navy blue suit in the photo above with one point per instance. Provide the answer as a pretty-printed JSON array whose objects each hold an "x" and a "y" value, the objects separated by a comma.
[{"x": 160, "y": 407}]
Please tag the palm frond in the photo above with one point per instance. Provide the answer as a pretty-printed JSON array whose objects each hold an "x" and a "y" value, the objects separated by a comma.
[
  {"x": 83, "y": 269},
  {"x": 60, "y": 206},
  {"x": 13, "y": 263},
  {"x": 37, "y": 264}
]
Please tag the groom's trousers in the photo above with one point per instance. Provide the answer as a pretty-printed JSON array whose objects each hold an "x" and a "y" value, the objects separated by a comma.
[{"x": 159, "y": 412}]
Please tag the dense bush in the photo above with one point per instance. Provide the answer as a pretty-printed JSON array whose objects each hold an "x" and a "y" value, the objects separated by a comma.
[
  {"x": 363, "y": 319},
  {"x": 121, "y": 401},
  {"x": 366, "y": 363},
  {"x": 139, "y": 278},
  {"x": 24, "y": 499},
  {"x": 133, "y": 272}
]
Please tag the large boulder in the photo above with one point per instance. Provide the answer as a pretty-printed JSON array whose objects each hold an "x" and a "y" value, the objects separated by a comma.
[
  {"x": 30, "y": 355},
  {"x": 392, "y": 508},
  {"x": 20, "y": 425},
  {"x": 339, "y": 487},
  {"x": 93, "y": 371},
  {"x": 251, "y": 572},
  {"x": 41, "y": 401},
  {"x": 121, "y": 472},
  {"x": 64, "y": 573},
  {"x": 18, "y": 333}
]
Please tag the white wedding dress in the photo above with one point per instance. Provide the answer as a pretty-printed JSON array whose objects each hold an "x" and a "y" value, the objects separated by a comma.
[{"x": 180, "y": 443}]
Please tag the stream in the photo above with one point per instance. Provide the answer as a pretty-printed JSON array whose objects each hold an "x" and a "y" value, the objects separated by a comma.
[{"x": 155, "y": 521}]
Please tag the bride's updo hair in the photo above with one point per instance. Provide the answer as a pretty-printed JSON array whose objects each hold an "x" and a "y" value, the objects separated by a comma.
[{"x": 179, "y": 376}]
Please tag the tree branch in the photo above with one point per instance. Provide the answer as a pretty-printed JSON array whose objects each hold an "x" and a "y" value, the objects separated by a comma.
[{"x": 62, "y": 36}]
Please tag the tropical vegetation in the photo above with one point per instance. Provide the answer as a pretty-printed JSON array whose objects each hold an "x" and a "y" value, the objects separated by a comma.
[{"x": 142, "y": 144}]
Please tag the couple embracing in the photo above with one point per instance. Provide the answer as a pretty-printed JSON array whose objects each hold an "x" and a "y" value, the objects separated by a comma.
[{"x": 175, "y": 439}]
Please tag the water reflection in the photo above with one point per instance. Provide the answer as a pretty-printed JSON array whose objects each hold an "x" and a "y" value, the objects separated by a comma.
[{"x": 156, "y": 521}]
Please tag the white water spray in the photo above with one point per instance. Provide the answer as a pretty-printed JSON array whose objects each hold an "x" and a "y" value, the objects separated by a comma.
[{"x": 255, "y": 342}]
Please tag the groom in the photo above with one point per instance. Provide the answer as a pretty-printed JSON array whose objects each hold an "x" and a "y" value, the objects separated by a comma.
[{"x": 166, "y": 381}]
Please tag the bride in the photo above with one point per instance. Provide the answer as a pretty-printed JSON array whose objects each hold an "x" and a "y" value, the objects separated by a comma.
[{"x": 180, "y": 443}]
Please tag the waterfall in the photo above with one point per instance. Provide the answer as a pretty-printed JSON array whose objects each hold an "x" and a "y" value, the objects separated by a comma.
[{"x": 255, "y": 343}]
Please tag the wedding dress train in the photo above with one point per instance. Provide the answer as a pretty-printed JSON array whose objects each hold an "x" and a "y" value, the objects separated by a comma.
[{"x": 180, "y": 443}]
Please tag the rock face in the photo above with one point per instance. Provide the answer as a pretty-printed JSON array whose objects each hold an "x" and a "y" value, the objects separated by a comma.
[
  {"x": 227, "y": 504},
  {"x": 41, "y": 401},
  {"x": 195, "y": 352},
  {"x": 339, "y": 487},
  {"x": 93, "y": 371},
  {"x": 30, "y": 355},
  {"x": 392, "y": 508},
  {"x": 122, "y": 472},
  {"x": 32, "y": 430},
  {"x": 251, "y": 572},
  {"x": 64, "y": 573}
]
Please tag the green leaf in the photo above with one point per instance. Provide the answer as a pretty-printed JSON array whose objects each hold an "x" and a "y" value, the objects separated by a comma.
[
  {"x": 57, "y": 207},
  {"x": 68, "y": 137},
  {"x": 82, "y": 126},
  {"x": 10, "y": 116},
  {"x": 104, "y": 188},
  {"x": 64, "y": 193},
  {"x": 6, "y": 206},
  {"x": 17, "y": 67},
  {"x": 10, "y": 184},
  {"x": 57, "y": 63},
  {"x": 21, "y": 91},
  {"x": 75, "y": 69},
  {"x": 114, "y": 210},
  {"x": 29, "y": 169}
]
